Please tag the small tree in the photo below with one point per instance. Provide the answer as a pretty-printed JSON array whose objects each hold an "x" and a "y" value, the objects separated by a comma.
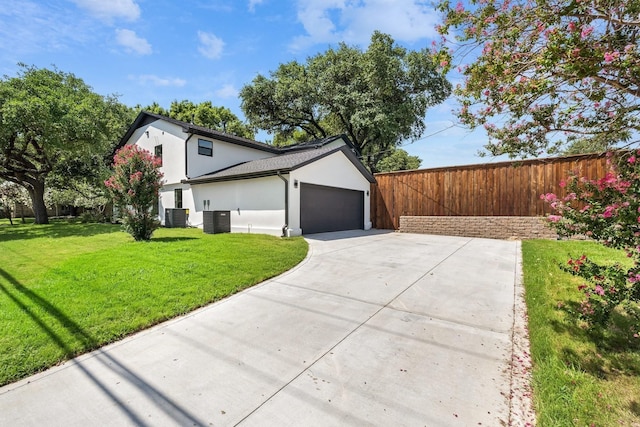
[
  {"x": 607, "y": 210},
  {"x": 134, "y": 188},
  {"x": 398, "y": 160},
  {"x": 10, "y": 195}
]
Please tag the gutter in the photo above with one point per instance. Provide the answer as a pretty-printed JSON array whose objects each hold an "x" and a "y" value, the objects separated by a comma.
[
  {"x": 286, "y": 204},
  {"x": 186, "y": 157}
]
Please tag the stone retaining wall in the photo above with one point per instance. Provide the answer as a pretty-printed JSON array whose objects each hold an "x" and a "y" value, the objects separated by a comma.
[{"x": 493, "y": 227}]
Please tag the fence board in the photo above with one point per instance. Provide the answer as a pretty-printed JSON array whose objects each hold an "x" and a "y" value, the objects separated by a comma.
[{"x": 491, "y": 189}]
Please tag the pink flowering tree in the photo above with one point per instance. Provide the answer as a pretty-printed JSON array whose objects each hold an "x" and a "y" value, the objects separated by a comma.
[
  {"x": 134, "y": 188},
  {"x": 544, "y": 75},
  {"x": 607, "y": 210}
]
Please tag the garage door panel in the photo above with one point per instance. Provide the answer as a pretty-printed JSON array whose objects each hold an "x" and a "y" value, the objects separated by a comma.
[{"x": 325, "y": 209}]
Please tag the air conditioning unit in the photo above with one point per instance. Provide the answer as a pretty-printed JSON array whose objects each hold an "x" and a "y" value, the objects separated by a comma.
[
  {"x": 215, "y": 222},
  {"x": 175, "y": 218}
]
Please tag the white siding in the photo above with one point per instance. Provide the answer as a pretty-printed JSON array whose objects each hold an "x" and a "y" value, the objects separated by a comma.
[
  {"x": 256, "y": 205},
  {"x": 172, "y": 139},
  {"x": 224, "y": 155}
]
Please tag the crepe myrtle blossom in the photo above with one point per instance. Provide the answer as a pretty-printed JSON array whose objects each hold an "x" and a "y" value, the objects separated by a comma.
[
  {"x": 606, "y": 210},
  {"x": 134, "y": 187}
]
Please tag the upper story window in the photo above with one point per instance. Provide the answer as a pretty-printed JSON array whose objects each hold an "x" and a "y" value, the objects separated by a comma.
[
  {"x": 205, "y": 147},
  {"x": 158, "y": 152}
]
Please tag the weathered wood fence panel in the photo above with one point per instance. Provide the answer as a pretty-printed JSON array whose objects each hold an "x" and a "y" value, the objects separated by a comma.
[{"x": 498, "y": 189}]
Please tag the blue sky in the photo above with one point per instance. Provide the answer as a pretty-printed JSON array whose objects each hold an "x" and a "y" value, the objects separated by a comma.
[{"x": 165, "y": 50}]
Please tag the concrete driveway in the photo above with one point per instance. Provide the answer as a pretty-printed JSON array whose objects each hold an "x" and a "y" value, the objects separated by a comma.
[{"x": 373, "y": 328}]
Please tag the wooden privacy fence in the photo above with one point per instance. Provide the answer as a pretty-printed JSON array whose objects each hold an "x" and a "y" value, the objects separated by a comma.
[{"x": 499, "y": 189}]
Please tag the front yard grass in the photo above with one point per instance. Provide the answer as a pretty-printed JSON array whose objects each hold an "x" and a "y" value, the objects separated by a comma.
[
  {"x": 580, "y": 377},
  {"x": 67, "y": 288}
]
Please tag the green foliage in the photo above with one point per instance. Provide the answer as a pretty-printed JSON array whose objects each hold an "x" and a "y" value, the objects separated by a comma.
[
  {"x": 69, "y": 288},
  {"x": 398, "y": 160},
  {"x": 378, "y": 97},
  {"x": 49, "y": 119},
  {"x": 204, "y": 114},
  {"x": 547, "y": 72},
  {"x": 134, "y": 187},
  {"x": 607, "y": 210}
]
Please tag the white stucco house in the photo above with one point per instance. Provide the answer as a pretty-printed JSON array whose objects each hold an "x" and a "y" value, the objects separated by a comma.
[{"x": 226, "y": 183}]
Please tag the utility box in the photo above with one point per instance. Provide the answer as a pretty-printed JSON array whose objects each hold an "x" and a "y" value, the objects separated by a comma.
[
  {"x": 215, "y": 222},
  {"x": 175, "y": 218}
]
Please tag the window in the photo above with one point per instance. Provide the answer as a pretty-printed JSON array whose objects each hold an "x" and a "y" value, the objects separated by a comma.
[
  {"x": 177, "y": 194},
  {"x": 158, "y": 152},
  {"x": 205, "y": 147}
]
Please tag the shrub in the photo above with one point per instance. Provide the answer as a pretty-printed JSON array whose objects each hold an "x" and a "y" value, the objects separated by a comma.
[
  {"x": 607, "y": 210},
  {"x": 134, "y": 188}
]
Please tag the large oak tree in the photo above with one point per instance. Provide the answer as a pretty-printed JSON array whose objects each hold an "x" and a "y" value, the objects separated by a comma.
[
  {"x": 544, "y": 75},
  {"x": 50, "y": 119},
  {"x": 378, "y": 97}
]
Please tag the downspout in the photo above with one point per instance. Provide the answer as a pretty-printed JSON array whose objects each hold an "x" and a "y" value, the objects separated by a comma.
[
  {"x": 286, "y": 204},
  {"x": 186, "y": 157}
]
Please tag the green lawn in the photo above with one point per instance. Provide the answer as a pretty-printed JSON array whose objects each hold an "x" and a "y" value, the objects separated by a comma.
[
  {"x": 581, "y": 378},
  {"x": 69, "y": 288}
]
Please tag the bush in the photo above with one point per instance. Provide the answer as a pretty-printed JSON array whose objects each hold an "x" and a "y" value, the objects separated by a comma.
[
  {"x": 608, "y": 211},
  {"x": 134, "y": 187}
]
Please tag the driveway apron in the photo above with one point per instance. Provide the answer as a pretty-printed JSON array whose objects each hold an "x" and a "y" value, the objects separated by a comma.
[{"x": 372, "y": 328}]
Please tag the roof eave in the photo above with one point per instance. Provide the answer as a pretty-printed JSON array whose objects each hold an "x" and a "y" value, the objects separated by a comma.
[{"x": 262, "y": 174}]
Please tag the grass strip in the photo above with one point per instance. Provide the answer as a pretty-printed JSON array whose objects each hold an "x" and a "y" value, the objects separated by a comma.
[{"x": 581, "y": 377}]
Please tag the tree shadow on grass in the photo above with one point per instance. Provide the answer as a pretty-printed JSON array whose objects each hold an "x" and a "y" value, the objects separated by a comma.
[
  {"x": 616, "y": 350},
  {"x": 56, "y": 229},
  {"x": 13, "y": 288},
  {"x": 171, "y": 239}
]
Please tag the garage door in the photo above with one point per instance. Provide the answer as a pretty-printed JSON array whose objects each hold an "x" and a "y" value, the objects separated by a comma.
[{"x": 325, "y": 209}]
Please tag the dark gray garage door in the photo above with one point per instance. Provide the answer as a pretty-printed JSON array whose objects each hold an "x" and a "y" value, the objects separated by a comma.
[{"x": 330, "y": 209}]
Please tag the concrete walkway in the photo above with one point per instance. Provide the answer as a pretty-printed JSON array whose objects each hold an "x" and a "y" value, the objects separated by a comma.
[{"x": 373, "y": 328}]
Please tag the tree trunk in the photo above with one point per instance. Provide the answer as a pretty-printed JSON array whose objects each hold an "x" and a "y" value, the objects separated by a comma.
[{"x": 36, "y": 191}]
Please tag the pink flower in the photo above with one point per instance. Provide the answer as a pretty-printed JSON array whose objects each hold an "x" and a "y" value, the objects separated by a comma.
[
  {"x": 586, "y": 31},
  {"x": 459, "y": 7},
  {"x": 572, "y": 26},
  {"x": 632, "y": 159},
  {"x": 609, "y": 211},
  {"x": 611, "y": 56},
  {"x": 599, "y": 290},
  {"x": 554, "y": 218}
]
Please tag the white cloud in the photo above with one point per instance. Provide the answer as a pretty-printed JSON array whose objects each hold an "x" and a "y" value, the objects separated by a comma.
[
  {"x": 154, "y": 80},
  {"x": 35, "y": 27},
  {"x": 227, "y": 91},
  {"x": 132, "y": 43},
  {"x": 330, "y": 21},
  {"x": 111, "y": 9},
  {"x": 253, "y": 4},
  {"x": 210, "y": 45}
]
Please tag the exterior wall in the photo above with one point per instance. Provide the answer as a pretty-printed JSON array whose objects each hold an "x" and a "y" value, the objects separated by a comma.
[
  {"x": 172, "y": 139},
  {"x": 224, "y": 155},
  {"x": 256, "y": 205},
  {"x": 167, "y": 200},
  {"x": 334, "y": 170},
  {"x": 493, "y": 227}
]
